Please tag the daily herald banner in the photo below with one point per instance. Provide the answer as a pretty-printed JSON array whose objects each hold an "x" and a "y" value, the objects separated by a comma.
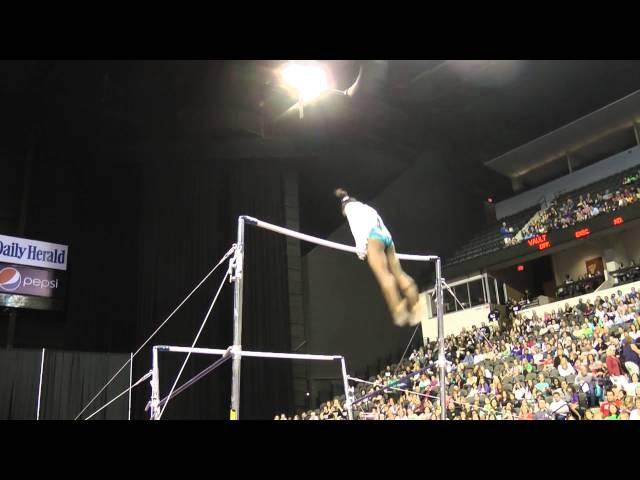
[
  {"x": 20, "y": 280},
  {"x": 22, "y": 251}
]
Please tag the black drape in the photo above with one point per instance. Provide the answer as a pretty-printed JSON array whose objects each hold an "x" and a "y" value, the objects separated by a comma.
[
  {"x": 71, "y": 379},
  {"x": 266, "y": 385},
  {"x": 19, "y": 378},
  {"x": 143, "y": 227},
  {"x": 183, "y": 232},
  {"x": 182, "y": 235}
]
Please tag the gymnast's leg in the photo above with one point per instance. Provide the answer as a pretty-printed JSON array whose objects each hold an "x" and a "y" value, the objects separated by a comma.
[
  {"x": 405, "y": 282},
  {"x": 407, "y": 286},
  {"x": 377, "y": 259}
]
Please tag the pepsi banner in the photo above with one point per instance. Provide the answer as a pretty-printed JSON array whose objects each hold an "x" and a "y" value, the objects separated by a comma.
[
  {"x": 21, "y": 280},
  {"x": 22, "y": 251}
]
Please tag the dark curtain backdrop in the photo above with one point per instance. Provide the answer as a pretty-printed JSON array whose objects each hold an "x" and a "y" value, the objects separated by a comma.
[
  {"x": 144, "y": 226},
  {"x": 19, "y": 377},
  {"x": 70, "y": 380},
  {"x": 183, "y": 234},
  {"x": 266, "y": 388}
]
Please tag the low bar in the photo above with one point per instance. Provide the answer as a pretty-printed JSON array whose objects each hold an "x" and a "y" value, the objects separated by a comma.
[
  {"x": 382, "y": 388},
  {"x": 247, "y": 353}
]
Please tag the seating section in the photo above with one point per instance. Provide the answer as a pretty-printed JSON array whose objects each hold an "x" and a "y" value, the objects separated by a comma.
[
  {"x": 490, "y": 240},
  {"x": 576, "y": 363}
]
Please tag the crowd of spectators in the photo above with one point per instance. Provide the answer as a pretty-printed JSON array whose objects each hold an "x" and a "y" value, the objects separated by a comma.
[
  {"x": 558, "y": 216},
  {"x": 585, "y": 283},
  {"x": 625, "y": 274},
  {"x": 580, "y": 362}
]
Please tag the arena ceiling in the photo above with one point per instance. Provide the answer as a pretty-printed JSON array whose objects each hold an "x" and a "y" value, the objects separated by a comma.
[{"x": 470, "y": 111}]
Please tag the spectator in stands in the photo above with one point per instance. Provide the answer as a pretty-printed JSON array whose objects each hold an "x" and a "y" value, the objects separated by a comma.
[
  {"x": 613, "y": 363},
  {"x": 542, "y": 410},
  {"x": 631, "y": 354},
  {"x": 635, "y": 413},
  {"x": 564, "y": 367},
  {"x": 506, "y": 233},
  {"x": 515, "y": 349},
  {"x": 542, "y": 386},
  {"x": 537, "y": 356},
  {"x": 558, "y": 408},
  {"x": 611, "y": 400},
  {"x": 632, "y": 388},
  {"x": 525, "y": 412},
  {"x": 585, "y": 383},
  {"x": 613, "y": 412},
  {"x": 513, "y": 308}
]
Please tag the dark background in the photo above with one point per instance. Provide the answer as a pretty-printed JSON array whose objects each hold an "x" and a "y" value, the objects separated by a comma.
[{"x": 142, "y": 168}]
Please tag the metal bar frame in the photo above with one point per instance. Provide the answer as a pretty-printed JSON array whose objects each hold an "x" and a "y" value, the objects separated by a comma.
[
  {"x": 237, "y": 300},
  {"x": 156, "y": 402},
  {"x": 236, "y": 349},
  {"x": 130, "y": 383},
  {"x": 40, "y": 384}
]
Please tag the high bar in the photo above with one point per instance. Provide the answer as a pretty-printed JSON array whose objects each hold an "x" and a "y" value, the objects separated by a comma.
[
  {"x": 326, "y": 243},
  {"x": 247, "y": 353}
]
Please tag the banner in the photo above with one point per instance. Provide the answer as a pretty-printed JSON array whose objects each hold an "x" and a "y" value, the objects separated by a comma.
[
  {"x": 22, "y": 251},
  {"x": 20, "y": 280}
]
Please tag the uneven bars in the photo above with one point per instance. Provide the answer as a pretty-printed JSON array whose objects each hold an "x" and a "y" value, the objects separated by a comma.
[
  {"x": 237, "y": 304},
  {"x": 247, "y": 353},
  {"x": 326, "y": 243},
  {"x": 382, "y": 388},
  {"x": 193, "y": 380}
]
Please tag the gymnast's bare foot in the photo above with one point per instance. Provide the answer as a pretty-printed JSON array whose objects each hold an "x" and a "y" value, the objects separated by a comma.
[
  {"x": 401, "y": 314},
  {"x": 418, "y": 311}
]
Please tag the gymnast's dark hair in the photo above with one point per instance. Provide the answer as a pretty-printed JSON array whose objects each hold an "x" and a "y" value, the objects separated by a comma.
[
  {"x": 341, "y": 193},
  {"x": 344, "y": 197}
]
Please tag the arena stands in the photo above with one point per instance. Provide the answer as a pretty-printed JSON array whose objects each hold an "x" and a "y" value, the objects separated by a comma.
[
  {"x": 627, "y": 274},
  {"x": 491, "y": 239},
  {"x": 610, "y": 194},
  {"x": 579, "y": 362},
  {"x": 587, "y": 284}
]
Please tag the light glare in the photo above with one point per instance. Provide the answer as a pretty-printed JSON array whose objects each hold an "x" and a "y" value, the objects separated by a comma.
[{"x": 307, "y": 79}]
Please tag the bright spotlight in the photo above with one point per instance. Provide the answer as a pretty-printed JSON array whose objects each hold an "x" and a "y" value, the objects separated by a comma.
[{"x": 308, "y": 79}]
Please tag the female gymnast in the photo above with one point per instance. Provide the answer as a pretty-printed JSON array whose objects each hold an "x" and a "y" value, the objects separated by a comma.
[{"x": 374, "y": 243}]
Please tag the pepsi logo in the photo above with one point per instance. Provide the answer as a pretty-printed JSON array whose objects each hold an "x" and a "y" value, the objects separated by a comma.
[{"x": 10, "y": 279}]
